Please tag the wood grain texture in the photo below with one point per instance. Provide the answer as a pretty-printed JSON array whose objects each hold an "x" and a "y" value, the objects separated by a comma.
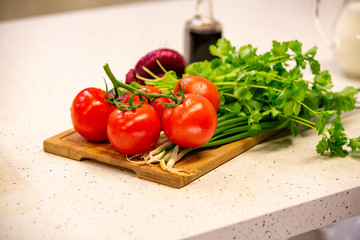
[{"x": 70, "y": 144}]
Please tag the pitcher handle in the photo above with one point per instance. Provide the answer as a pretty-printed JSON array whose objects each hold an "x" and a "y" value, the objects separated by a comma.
[{"x": 318, "y": 25}]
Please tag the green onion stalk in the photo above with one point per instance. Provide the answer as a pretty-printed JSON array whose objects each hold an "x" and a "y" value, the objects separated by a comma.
[{"x": 230, "y": 128}]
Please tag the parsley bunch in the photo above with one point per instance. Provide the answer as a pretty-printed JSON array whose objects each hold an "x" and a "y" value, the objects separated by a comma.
[{"x": 270, "y": 87}]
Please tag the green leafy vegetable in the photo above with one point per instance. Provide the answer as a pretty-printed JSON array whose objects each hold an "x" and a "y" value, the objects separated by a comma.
[
  {"x": 272, "y": 84},
  {"x": 265, "y": 92}
]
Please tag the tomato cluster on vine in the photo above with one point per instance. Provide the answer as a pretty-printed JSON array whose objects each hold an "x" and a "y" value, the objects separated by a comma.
[{"x": 187, "y": 115}]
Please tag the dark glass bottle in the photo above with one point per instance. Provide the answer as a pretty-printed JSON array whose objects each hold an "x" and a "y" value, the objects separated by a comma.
[{"x": 200, "y": 32}]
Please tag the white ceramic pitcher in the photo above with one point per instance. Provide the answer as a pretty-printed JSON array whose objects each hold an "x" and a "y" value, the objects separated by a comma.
[{"x": 345, "y": 41}]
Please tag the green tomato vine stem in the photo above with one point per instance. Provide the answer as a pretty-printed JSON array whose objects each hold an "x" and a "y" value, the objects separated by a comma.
[{"x": 142, "y": 95}]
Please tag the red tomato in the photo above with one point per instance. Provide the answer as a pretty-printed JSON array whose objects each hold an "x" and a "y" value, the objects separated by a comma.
[
  {"x": 201, "y": 86},
  {"x": 134, "y": 132},
  {"x": 89, "y": 114},
  {"x": 151, "y": 89},
  {"x": 191, "y": 123}
]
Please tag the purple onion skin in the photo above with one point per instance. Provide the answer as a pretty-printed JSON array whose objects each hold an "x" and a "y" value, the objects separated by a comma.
[
  {"x": 168, "y": 58},
  {"x": 120, "y": 98},
  {"x": 131, "y": 76}
]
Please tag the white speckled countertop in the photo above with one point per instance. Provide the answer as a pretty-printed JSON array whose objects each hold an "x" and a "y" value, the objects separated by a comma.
[{"x": 276, "y": 190}]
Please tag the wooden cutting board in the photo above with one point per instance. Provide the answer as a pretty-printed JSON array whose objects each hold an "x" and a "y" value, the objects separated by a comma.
[{"x": 71, "y": 145}]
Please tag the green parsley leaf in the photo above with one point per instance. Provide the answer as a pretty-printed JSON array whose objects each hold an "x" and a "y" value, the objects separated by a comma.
[
  {"x": 295, "y": 46},
  {"x": 322, "y": 119},
  {"x": 345, "y": 100},
  {"x": 222, "y": 48},
  {"x": 254, "y": 130},
  {"x": 354, "y": 143},
  {"x": 279, "y": 49},
  {"x": 322, "y": 146}
]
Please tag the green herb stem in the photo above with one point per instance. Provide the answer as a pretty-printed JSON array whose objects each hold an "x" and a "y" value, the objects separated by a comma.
[
  {"x": 230, "y": 75},
  {"x": 234, "y": 84},
  {"x": 315, "y": 112},
  {"x": 304, "y": 122},
  {"x": 271, "y": 75}
]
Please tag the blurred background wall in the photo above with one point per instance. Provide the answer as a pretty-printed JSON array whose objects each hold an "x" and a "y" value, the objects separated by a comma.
[{"x": 13, "y": 9}]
